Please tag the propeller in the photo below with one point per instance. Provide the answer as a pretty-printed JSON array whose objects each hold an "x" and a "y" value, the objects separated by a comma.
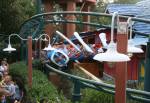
[
  {"x": 102, "y": 37},
  {"x": 82, "y": 42}
]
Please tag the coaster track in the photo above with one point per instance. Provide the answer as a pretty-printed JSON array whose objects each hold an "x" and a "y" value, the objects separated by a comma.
[
  {"x": 134, "y": 94},
  {"x": 34, "y": 27}
]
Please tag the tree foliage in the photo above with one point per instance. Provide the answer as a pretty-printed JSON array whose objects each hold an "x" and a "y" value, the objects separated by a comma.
[{"x": 13, "y": 13}]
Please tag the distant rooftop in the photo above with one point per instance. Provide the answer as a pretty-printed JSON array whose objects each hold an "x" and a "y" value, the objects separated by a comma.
[
  {"x": 140, "y": 10},
  {"x": 123, "y": 9},
  {"x": 145, "y": 5}
]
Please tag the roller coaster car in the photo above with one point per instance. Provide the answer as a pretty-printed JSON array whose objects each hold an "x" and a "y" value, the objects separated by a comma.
[
  {"x": 76, "y": 49},
  {"x": 68, "y": 51},
  {"x": 58, "y": 57}
]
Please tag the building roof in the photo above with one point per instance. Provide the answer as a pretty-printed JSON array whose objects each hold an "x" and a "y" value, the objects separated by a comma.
[
  {"x": 140, "y": 10},
  {"x": 123, "y": 9},
  {"x": 145, "y": 4}
]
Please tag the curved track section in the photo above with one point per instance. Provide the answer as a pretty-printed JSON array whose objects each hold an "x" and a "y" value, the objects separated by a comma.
[
  {"x": 137, "y": 95},
  {"x": 35, "y": 25}
]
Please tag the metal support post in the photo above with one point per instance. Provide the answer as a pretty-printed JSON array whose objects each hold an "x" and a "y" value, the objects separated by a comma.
[
  {"x": 86, "y": 18},
  {"x": 38, "y": 6},
  {"x": 70, "y": 28},
  {"x": 147, "y": 68},
  {"x": 76, "y": 95},
  {"x": 30, "y": 61},
  {"x": 121, "y": 67}
]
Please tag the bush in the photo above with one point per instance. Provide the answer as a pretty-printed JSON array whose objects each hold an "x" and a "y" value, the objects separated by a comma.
[
  {"x": 41, "y": 87},
  {"x": 93, "y": 96},
  {"x": 19, "y": 69},
  {"x": 36, "y": 63}
]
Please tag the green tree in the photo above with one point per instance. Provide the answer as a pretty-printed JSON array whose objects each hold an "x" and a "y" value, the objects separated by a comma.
[{"x": 13, "y": 13}]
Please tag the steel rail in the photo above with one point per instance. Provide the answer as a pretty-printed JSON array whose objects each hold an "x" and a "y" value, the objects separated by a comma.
[
  {"x": 105, "y": 85},
  {"x": 85, "y": 23}
]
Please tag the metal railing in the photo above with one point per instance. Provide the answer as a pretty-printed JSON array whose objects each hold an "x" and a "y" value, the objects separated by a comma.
[
  {"x": 79, "y": 82},
  {"x": 50, "y": 19}
]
